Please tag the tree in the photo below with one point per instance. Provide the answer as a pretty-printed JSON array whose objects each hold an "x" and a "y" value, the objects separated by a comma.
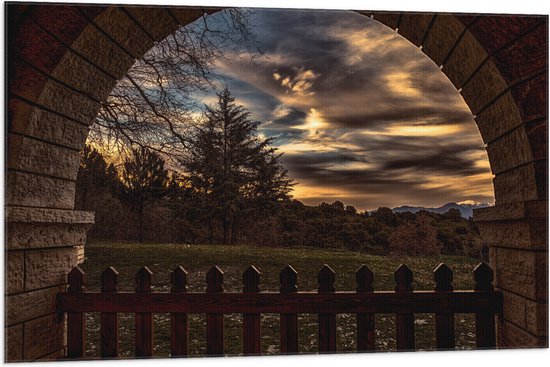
[
  {"x": 350, "y": 209},
  {"x": 386, "y": 216},
  {"x": 418, "y": 238},
  {"x": 152, "y": 105},
  {"x": 94, "y": 176},
  {"x": 143, "y": 181},
  {"x": 453, "y": 214},
  {"x": 233, "y": 168}
]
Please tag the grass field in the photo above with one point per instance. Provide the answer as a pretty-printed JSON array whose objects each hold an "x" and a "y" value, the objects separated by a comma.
[{"x": 127, "y": 258}]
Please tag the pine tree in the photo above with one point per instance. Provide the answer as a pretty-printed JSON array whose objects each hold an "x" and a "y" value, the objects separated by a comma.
[
  {"x": 94, "y": 176},
  {"x": 143, "y": 181},
  {"x": 232, "y": 167}
]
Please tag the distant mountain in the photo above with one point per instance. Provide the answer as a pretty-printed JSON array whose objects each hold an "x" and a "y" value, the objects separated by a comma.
[{"x": 466, "y": 209}]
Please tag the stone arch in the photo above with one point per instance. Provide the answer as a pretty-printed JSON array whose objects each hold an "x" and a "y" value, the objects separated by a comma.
[{"x": 64, "y": 60}]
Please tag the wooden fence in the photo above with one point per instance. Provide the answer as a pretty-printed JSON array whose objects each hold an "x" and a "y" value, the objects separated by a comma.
[{"x": 443, "y": 301}]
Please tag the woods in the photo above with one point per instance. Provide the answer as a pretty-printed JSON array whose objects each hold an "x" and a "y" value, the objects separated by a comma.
[
  {"x": 229, "y": 187},
  {"x": 226, "y": 176}
]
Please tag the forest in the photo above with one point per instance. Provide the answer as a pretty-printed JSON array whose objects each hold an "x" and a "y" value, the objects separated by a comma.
[{"x": 231, "y": 188}]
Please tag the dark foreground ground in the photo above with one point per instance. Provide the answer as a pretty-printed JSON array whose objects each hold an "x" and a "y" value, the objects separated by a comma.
[{"x": 127, "y": 258}]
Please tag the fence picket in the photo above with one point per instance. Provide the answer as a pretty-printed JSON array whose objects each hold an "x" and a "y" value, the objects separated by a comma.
[
  {"x": 327, "y": 322},
  {"x": 75, "y": 320},
  {"x": 109, "y": 320},
  {"x": 485, "y": 320},
  {"x": 179, "y": 328},
  {"x": 251, "y": 321},
  {"x": 365, "y": 321},
  {"x": 444, "y": 322},
  {"x": 214, "y": 321},
  {"x": 144, "y": 321},
  {"x": 404, "y": 322},
  {"x": 289, "y": 320}
]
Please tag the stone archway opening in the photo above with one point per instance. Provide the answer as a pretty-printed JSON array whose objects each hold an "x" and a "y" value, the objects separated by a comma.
[{"x": 64, "y": 60}]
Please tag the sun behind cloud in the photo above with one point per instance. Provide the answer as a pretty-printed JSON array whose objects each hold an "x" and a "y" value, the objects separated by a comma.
[{"x": 359, "y": 113}]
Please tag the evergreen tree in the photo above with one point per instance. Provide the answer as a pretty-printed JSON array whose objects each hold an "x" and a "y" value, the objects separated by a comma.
[
  {"x": 232, "y": 167},
  {"x": 94, "y": 176},
  {"x": 143, "y": 181}
]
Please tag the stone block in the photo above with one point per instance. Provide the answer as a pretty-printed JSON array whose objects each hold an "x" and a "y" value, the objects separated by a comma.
[
  {"x": 511, "y": 336},
  {"x": 26, "y": 189},
  {"x": 526, "y": 314},
  {"x": 21, "y": 214},
  {"x": 525, "y": 57},
  {"x": 537, "y": 134},
  {"x": 30, "y": 121},
  {"x": 68, "y": 103},
  {"x": 531, "y": 97},
  {"x": 124, "y": 31},
  {"x": 42, "y": 337},
  {"x": 522, "y": 272},
  {"x": 529, "y": 234},
  {"x": 15, "y": 274},
  {"x": 27, "y": 235},
  {"x": 464, "y": 60},
  {"x": 189, "y": 15},
  {"x": 25, "y": 81},
  {"x": 535, "y": 209},
  {"x": 13, "y": 345},
  {"x": 54, "y": 96},
  {"x": 31, "y": 305},
  {"x": 39, "y": 157},
  {"x": 446, "y": 30},
  {"x": 32, "y": 43},
  {"x": 414, "y": 26},
  {"x": 46, "y": 268},
  {"x": 520, "y": 184},
  {"x": 83, "y": 76},
  {"x": 495, "y": 31},
  {"x": 500, "y": 117},
  {"x": 65, "y": 22},
  {"x": 105, "y": 54},
  {"x": 390, "y": 19},
  {"x": 483, "y": 87},
  {"x": 509, "y": 151},
  {"x": 156, "y": 21}
]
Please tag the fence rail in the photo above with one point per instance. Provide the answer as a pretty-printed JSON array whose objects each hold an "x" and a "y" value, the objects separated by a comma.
[{"x": 404, "y": 302}]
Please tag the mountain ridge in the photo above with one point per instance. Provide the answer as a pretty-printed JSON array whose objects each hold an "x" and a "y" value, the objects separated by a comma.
[{"x": 466, "y": 210}]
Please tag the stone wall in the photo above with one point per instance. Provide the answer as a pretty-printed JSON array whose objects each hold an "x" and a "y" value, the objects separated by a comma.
[
  {"x": 63, "y": 61},
  {"x": 517, "y": 235},
  {"x": 42, "y": 245}
]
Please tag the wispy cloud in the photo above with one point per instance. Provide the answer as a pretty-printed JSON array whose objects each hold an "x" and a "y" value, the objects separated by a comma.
[{"x": 360, "y": 114}]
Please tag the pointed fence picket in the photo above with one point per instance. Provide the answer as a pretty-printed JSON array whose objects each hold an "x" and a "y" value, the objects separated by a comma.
[
  {"x": 483, "y": 301},
  {"x": 109, "y": 320}
]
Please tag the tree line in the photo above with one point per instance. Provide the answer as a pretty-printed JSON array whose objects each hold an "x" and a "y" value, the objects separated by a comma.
[
  {"x": 227, "y": 174},
  {"x": 229, "y": 187}
]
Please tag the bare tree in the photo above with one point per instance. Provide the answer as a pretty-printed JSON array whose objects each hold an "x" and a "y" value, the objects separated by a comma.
[{"x": 155, "y": 103}]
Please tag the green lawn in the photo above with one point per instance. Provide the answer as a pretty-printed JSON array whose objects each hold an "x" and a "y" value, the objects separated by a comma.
[{"x": 127, "y": 258}]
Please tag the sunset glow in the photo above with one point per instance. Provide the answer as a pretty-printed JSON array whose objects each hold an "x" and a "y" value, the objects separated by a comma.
[{"x": 360, "y": 114}]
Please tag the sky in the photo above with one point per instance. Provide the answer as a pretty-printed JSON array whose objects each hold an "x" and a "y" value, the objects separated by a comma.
[{"x": 360, "y": 114}]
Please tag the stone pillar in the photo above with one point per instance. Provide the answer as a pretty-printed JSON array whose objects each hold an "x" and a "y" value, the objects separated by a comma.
[
  {"x": 42, "y": 245},
  {"x": 517, "y": 236}
]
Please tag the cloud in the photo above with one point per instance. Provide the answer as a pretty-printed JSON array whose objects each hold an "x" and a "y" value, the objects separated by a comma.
[
  {"x": 300, "y": 82},
  {"x": 359, "y": 112}
]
